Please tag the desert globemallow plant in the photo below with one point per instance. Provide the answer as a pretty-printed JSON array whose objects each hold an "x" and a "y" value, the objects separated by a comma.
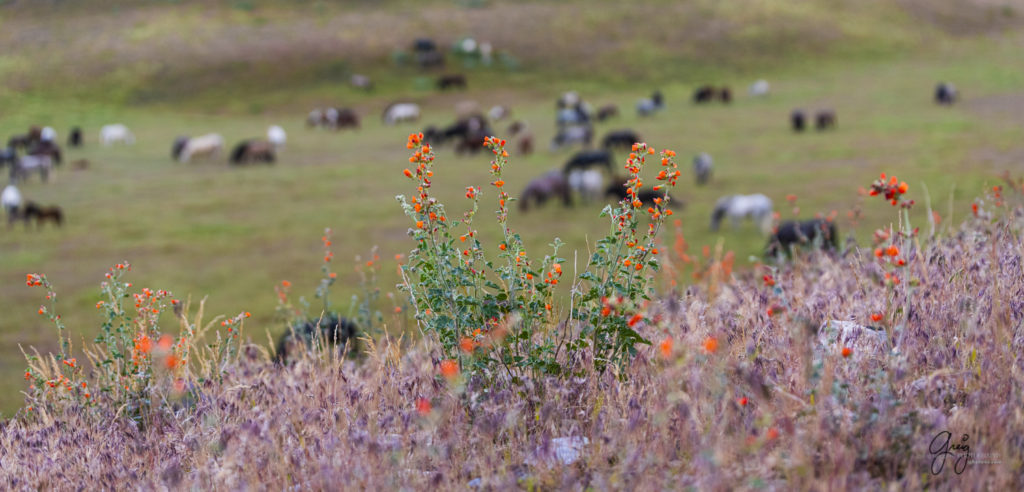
[{"x": 503, "y": 315}]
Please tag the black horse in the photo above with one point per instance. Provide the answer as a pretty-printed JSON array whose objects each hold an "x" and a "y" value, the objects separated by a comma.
[
  {"x": 75, "y": 137},
  {"x": 945, "y": 93},
  {"x": 819, "y": 232},
  {"x": 589, "y": 158},
  {"x": 454, "y": 81},
  {"x": 646, "y": 196},
  {"x": 798, "y": 120},
  {"x": 825, "y": 120},
  {"x": 620, "y": 139},
  {"x": 332, "y": 330},
  {"x": 704, "y": 94}
]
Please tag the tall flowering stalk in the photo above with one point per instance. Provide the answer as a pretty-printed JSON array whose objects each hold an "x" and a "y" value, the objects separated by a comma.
[{"x": 618, "y": 278}]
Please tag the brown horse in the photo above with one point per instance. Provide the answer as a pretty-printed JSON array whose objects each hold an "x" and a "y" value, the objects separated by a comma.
[
  {"x": 825, "y": 120},
  {"x": 42, "y": 214},
  {"x": 249, "y": 151},
  {"x": 607, "y": 111},
  {"x": 548, "y": 185}
]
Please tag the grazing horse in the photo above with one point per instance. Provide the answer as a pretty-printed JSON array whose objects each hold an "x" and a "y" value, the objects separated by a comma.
[
  {"x": 571, "y": 116},
  {"x": 759, "y": 88},
  {"x": 452, "y": 81},
  {"x": 28, "y": 163},
  {"x": 116, "y": 133},
  {"x": 589, "y": 183},
  {"x": 818, "y": 232},
  {"x": 400, "y": 112},
  {"x": 573, "y": 134},
  {"x": 498, "y": 113},
  {"x": 47, "y": 134},
  {"x": 42, "y": 214},
  {"x": 725, "y": 95},
  {"x": 798, "y": 120},
  {"x": 647, "y": 196},
  {"x": 704, "y": 94},
  {"x": 647, "y": 107},
  {"x": 607, "y": 111},
  {"x": 702, "y": 167},
  {"x": 825, "y": 120},
  {"x": 249, "y": 151},
  {"x": 570, "y": 99},
  {"x": 756, "y": 207},
  {"x": 331, "y": 330},
  {"x": 332, "y": 118},
  {"x": 75, "y": 137},
  {"x": 620, "y": 139},
  {"x": 11, "y": 201},
  {"x": 522, "y": 137},
  {"x": 276, "y": 136},
  {"x": 550, "y": 184},
  {"x": 360, "y": 81},
  {"x": 23, "y": 141},
  {"x": 208, "y": 146},
  {"x": 587, "y": 159},
  {"x": 945, "y": 93}
]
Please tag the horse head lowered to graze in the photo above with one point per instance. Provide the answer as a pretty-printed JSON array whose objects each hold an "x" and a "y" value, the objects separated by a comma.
[
  {"x": 333, "y": 330},
  {"x": 178, "y": 146},
  {"x": 552, "y": 184},
  {"x": 756, "y": 207},
  {"x": 607, "y": 111},
  {"x": 816, "y": 232},
  {"x": 254, "y": 150}
]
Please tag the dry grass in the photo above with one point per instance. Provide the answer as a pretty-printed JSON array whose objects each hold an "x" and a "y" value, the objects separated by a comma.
[{"x": 813, "y": 420}]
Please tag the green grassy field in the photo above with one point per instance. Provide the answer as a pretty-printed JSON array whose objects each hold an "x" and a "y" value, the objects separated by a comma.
[{"x": 207, "y": 229}]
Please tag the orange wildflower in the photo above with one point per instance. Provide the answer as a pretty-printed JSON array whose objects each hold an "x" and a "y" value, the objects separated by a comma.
[
  {"x": 423, "y": 406},
  {"x": 666, "y": 347},
  {"x": 710, "y": 345},
  {"x": 876, "y": 317},
  {"x": 449, "y": 368},
  {"x": 847, "y": 351}
]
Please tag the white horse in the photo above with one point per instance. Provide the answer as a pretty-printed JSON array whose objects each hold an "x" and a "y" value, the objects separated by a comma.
[
  {"x": 209, "y": 145},
  {"x": 29, "y": 163},
  {"x": 11, "y": 200},
  {"x": 48, "y": 134},
  {"x": 702, "y": 167},
  {"x": 759, "y": 88},
  {"x": 756, "y": 207},
  {"x": 115, "y": 133},
  {"x": 276, "y": 136},
  {"x": 589, "y": 183},
  {"x": 399, "y": 112}
]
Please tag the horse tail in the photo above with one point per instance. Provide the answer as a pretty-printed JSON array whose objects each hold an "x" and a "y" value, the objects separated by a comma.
[{"x": 239, "y": 152}]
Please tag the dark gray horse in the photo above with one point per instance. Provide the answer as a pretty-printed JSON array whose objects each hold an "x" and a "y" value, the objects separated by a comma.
[
  {"x": 552, "y": 184},
  {"x": 818, "y": 232}
]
